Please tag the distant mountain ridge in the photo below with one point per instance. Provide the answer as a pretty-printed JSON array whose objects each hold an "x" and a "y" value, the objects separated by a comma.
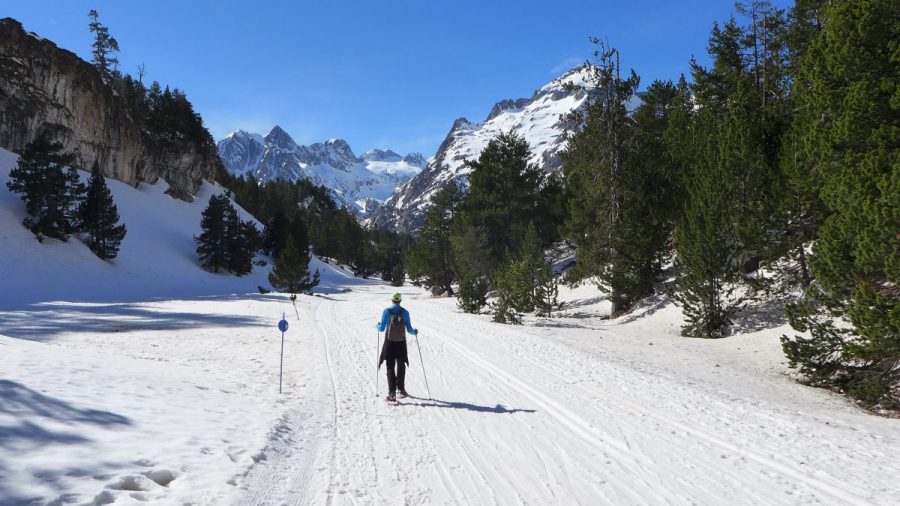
[
  {"x": 542, "y": 120},
  {"x": 359, "y": 183}
]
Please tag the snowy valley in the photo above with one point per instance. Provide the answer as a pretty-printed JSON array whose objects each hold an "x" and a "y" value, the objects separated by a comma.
[
  {"x": 149, "y": 379},
  {"x": 702, "y": 309}
]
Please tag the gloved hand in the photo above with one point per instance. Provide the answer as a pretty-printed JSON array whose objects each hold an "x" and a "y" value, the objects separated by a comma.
[{"x": 415, "y": 332}]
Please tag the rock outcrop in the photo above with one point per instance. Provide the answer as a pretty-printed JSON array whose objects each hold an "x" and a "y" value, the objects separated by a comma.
[{"x": 44, "y": 88}]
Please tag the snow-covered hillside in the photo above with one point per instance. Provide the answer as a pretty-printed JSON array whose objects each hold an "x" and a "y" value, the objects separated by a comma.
[
  {"x": 157, "y": 259},
  {"x": 360, "y": 183},
  {"x": 542, "y": 120}
]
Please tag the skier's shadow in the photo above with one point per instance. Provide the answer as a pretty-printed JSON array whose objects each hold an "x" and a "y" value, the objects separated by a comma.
[{"x": 437, "y": 403}]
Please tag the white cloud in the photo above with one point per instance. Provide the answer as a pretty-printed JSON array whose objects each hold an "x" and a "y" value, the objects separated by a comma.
[{"x": 566, "y": 64}]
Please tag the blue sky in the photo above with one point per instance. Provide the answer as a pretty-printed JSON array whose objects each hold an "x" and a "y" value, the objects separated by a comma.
[{"x": 389, "y": 74}]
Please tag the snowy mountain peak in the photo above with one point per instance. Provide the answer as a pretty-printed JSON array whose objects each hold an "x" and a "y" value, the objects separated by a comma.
[
  {"x": 241, "y": 150},
  {"x": 463, "y": 124},
  {"x": 542, "y": 120},
  {"x": 578, "y": 80},
  {"x": 334, "y": 152},
  {"x": 358, "y": 183},
  {"x": 245, "y": 136},
  {"x": 381, "y": 155},
  {"x": 278, "y": 137},
  {"x": 506, "y": 105},
  {"x": 416, "y": 159}
]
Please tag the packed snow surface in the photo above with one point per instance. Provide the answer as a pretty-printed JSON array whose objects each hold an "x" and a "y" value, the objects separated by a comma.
[
  {"x": 177, "y": 402},
  {"x": 150, "y": 380}
]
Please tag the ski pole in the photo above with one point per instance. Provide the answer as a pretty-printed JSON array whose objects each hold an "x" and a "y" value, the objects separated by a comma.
[
  {"x": 425, "y": 375},
  {"x": 377, "y": 361}
]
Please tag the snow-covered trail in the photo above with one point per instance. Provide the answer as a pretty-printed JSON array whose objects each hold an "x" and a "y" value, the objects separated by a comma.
[
  {"x": 521, "y": 416},
  {"x": 176, "y": 402}
]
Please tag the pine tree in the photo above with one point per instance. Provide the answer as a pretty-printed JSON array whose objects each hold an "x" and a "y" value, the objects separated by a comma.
[
  {"x": 471, "y": 263},
  {"x": 389, "y": 250},
  {"x": 504, "y": 197},
  {"x": 398, "y": 275},
  {"x": 212, "y": 244},
  {"x": 49, "y": 190},
  {"x": 852, "y": 310},
  {"x": 620, "y": 210},
  {"x": 242, "y": 244},
  {"x": 532, "y": 260},
  {"x": 517, "y": 284},
  {"x": 767, "y": 111},
  {"x": 707, "y": 248},
  {"x": 104, "y": 48},
  {"x": 506, "y": 194},
  {"x": 514, "y": 292},
  {"x": 364, "y": 258},
  {"x": 472, "y": 295},
  {"x": 98, "y": 218},
  {"x": 277, "y": 230},
  {"x": 705, "y": 265},
  {"x": 226, "y": 241},
  {"x": 291, "y": 271},
  {"x": 655, "y": 187},
  {"x": 725, "y": 133},
  {"x": 431, "y": 256},
  {"x": 802, "y": 210},
  {"x": 547, "y": 291}
]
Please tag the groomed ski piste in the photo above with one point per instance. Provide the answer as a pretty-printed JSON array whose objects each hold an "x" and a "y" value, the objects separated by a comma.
[{"x": 162, "y": 387}]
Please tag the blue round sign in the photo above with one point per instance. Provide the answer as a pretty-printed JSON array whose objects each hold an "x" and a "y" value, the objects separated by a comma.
[{"x": 283, "y": 325}]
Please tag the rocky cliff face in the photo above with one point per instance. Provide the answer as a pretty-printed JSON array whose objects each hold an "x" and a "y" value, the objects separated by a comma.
[{"x": 44, "y": 88}]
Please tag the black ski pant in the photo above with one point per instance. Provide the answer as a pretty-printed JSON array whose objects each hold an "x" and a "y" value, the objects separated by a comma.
[{"x": 396, "y": 380}]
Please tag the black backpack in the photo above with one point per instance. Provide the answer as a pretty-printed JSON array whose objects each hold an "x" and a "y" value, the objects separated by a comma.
[{"x": 396, "y": 327}]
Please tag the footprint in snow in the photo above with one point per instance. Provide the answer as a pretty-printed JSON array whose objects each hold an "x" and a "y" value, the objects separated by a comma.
[
  {"x": 139, "y": 496},
  {"x": 132, "y": 483},
  {"x": 162, "y": 477}
]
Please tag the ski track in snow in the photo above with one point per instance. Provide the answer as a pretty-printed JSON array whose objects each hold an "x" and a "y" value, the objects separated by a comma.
[
  {"x": 507, "y": 428},
  {"x": 520, "y": 415}
]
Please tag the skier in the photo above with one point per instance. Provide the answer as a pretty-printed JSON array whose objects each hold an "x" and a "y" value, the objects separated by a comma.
[{"x": 395, "y": 323}]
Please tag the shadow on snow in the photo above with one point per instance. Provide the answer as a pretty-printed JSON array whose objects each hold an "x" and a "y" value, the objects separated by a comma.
[
  {"x": 437, "y": 403},
  {"x": 20, "y": 402},
  {"x": 44, "y": 321}
]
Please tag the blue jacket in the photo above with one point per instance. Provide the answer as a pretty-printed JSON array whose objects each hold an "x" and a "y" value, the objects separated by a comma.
[{"x": 396, "y": 309}]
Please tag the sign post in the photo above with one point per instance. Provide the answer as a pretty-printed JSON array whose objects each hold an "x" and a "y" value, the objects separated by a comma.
[{"x": 282, "y": 326}]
